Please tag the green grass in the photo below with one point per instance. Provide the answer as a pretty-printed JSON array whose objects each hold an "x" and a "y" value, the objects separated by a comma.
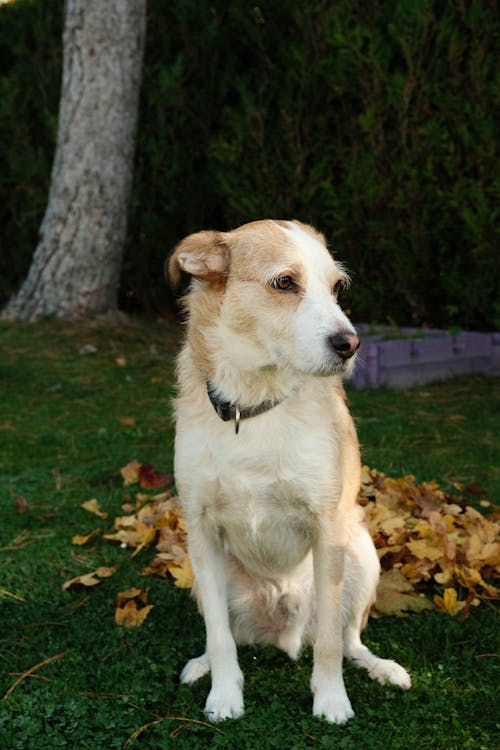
[{"x": 62, "y": 442}]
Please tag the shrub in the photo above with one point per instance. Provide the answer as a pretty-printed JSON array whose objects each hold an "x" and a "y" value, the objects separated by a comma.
[{"x": 31, "y": 44}]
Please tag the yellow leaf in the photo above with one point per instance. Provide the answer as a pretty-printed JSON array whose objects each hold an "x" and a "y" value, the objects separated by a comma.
[
  {"x": 471, "y": 578},
  {"x": 448, "y": 602},
  {"x": 418, "y": 571},
  {"x": 130, "y": 472},
  {"x": 132, "y": 608},
  {"x": 449, "y": 520},
  {"x": 131, "y": 593},
  {"x": 89, "y": 579},
  {"x": 423, "y": 548},
  {"x": 391, "y": 523},
  {"x": 105, "y": 572},
  {"x": 130, "y": 616},
  {"x": 85, "y": 538},
  {"x": 93, "y": 507},
  {"x": 424, "y": 530},
  {"x": 126, "y": 522},
  {"x": 148, "y": 533},
  {"x": 126, "y": 538},
  {"x": 443, "y": 576},
  {"x": 489, "y": 554},
  {"x": 182, "y": 574}
]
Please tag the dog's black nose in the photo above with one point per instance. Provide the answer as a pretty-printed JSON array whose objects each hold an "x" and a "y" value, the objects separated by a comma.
[{"x": 344, "y": 344}]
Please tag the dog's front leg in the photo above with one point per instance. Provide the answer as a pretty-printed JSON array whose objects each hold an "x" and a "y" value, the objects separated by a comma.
[
  {"x": 225, "y": 699},
  {"x": 327, "y": 683}
]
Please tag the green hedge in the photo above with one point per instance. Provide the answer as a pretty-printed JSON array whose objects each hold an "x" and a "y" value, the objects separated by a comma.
[
  {"x": 374, "y": 121},
  {"x": 30, "y": 73}
]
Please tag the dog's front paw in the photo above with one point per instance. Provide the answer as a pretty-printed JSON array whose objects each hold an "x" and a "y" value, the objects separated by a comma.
[
  {"x": 336, "y": 709},
  {"x": 224, "y": 703},
  {"x": 331, "y": 701}
]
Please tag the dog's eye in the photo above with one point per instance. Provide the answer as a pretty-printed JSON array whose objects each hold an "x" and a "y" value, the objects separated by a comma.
[
  {"x": 283, "y": 283},
  {"x": 338, "y": 288}
]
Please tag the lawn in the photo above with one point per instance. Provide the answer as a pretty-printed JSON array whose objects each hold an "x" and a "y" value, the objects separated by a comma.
[{"x": 79, "y": 402}]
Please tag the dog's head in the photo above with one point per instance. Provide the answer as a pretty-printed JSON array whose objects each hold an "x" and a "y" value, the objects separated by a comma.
[{"x": 276, "y": 289}]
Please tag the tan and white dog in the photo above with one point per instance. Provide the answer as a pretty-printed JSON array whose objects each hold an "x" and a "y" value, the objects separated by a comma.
[{"x": 267, "y": 461}]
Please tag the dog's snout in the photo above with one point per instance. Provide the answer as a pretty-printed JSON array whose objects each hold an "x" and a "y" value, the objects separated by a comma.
[{"x": 344, "y": 344}]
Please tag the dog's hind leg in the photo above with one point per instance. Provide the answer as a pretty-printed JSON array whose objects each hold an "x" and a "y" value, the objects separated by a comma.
[
  {"x": 382, "y": 670},
  {"x": 362, "y": 573},
  {"x": 195, "y": 668}
]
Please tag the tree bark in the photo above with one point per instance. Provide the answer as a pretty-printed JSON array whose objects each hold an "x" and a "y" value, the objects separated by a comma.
[{"x": 76, "y": 266}]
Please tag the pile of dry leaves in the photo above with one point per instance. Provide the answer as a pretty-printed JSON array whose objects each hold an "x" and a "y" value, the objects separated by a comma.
[{"x": 427, "y": 541}]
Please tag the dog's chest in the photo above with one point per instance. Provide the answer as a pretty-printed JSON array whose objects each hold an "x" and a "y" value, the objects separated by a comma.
[
  {"x": 262, "y": 490},
  {"x": 265, "y": 505},
  {"x": 268, "y": 526}
]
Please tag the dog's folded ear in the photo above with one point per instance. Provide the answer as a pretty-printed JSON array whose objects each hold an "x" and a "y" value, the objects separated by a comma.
[{"x": 204, "y": 255}]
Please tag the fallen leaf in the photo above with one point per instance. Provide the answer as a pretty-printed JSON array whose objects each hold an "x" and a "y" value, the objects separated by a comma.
[
  {"x": 90, "y": 579},
  {"x": 424, "y": 549},
  {"x": 85, "y": 538},
  {"x": 128, "y": 508},
  {"x": 471, "y": 579},
  {"x": 182, "y": 574},
  {"x": 132, "y": 608},
  {"x": 21, "y": 504},
  {"x": 150, "y": 479},
  {"x": 105, "y": 571},
  {"x": 93, "y": 507},
  {"x": 130, "y": 473},
  {"x": 443, "y": 577},
  {"x": 131, "y": 616},
  {"x": 449, "y": 602},
  {"x": 127, "y": 421},
  {"x": 132, "y": 593},
  {"x": 396, "y": 596}
]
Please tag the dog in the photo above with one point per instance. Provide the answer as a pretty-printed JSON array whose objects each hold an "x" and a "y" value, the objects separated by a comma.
[{"x": 267, "y": 462}]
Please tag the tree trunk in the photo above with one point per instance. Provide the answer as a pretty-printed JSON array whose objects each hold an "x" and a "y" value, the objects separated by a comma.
[{"x": 76, "y": 265}]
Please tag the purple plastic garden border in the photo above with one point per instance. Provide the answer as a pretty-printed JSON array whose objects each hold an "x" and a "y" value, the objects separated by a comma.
[{"x": 425, "y": 356}]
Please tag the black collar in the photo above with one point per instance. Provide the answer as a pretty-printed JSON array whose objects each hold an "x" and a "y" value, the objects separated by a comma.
[{"x": 228, "y": 411}]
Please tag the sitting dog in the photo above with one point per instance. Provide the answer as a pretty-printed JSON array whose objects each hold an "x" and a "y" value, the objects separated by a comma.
[{"x": 267, "y": 461}]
